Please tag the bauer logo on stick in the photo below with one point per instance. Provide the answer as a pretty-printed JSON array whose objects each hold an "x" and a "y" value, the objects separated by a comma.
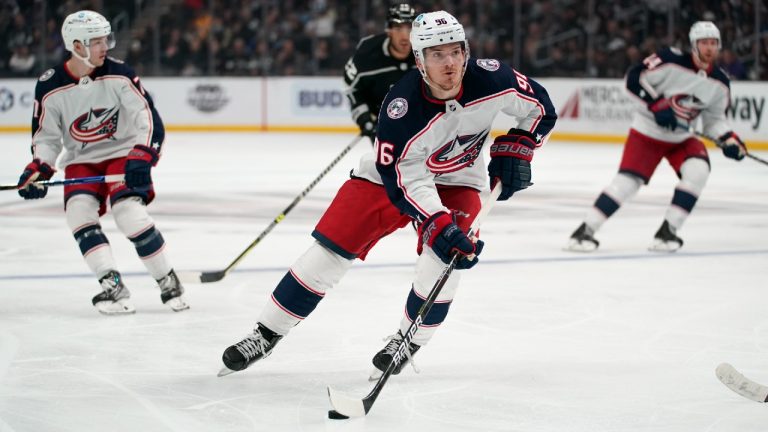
[{"x": 397, "y": 108}]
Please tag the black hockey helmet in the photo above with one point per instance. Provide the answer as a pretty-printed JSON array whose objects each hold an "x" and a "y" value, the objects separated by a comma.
[{"x": 400, "y": 13}]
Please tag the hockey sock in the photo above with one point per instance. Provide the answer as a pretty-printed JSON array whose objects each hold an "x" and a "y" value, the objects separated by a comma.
[
  {"x": 622, "y": 188},
  {"x": 135, "y": 223},
  {"x": 694, "y": 173},
  {"x": 302, "y": 288},
  {"x": 82, "y": 212},
  {"x": 428, "y": 270}
]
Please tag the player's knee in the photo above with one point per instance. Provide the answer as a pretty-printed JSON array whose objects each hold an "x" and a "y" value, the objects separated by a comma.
[
  {"x": 428, "y": 269},
  {"x": 320, "y": 268},
  {"x": 82, "y": 210},
  {"x": 131, "y": 216},
  {"x": 694, "y": 172},
  {"x": 623, "y": 186}
]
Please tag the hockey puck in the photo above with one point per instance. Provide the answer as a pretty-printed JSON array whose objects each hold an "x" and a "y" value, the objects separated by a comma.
[{"x": 335, "y": 415}]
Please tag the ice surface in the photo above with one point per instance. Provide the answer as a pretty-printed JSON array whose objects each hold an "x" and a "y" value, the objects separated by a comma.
[{"x": 538, "y": 339}]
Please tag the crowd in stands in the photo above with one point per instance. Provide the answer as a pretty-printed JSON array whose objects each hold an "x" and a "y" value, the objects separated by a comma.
[{"x": 561, "y": 38}]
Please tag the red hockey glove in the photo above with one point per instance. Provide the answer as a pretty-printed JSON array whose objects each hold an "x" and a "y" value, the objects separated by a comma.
[
  {"x": 35, "y": 171},
  {"x": 511, "y": 157},
  {"x": 138, "y": 166},
  {"x": 733, "y": 147}
]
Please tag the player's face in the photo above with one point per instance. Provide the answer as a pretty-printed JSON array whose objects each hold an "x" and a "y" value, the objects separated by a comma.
[
  {"x": 444, "y": 65},
  {"x": 400, "y": 39},
  {"x": 98, "y": 49},
  {"x": 708, "y": 50}
]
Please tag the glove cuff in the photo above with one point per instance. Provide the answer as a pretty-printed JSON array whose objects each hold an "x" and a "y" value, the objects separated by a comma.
[
  {"x": 517, "y": 146},
  {"x": 431, "y": 227},
  {"x": 46, "y": 171},
  {"x": 659, "y": 104},
  {"x": 145, "y": 153}
]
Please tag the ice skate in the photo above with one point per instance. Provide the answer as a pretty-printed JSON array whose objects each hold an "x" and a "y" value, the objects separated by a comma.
[
  {"x": 115, "y": 299},
  {"x": 666, "y": 239},
  {"x": 582, "y": 240},
  {"x": 254, "y": 347},
  {"x": 171, "y": 292},
  {"x": 383, "y": 358}
]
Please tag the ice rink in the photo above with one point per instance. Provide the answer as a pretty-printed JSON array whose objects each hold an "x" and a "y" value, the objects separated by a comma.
[{"x": 538, "y": 339}]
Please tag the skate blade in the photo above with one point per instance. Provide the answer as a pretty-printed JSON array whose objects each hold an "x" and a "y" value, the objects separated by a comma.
[
  {"x": 225, "y": 371},
  {"x": 577, "y": 246},
  {"x": 177, "y": 304},
  {"x": 120, "y": 307},
  {"x": 662, "y": 246}
]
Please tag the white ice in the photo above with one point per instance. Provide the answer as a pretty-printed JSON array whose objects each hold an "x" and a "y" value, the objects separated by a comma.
[{"x": 538, "y": 339}]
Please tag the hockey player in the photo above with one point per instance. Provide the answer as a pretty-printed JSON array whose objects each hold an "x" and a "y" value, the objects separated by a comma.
[
  {"x": 674, "y": 89},
  {"x": 428, "y": 165},
  {"x": 95, "y": 108},
  {"x": 378, "y": 63}
]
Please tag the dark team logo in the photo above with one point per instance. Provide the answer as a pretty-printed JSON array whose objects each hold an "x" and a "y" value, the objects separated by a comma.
[
  {"x": 397, "y": 108},
  {"x": 207, "y": 97},
  {"x": 457, "y": 153},
  {"x": 687, "y": 106},
  {"x": 489, "y": 64},
  {"x": 95, "y": 125}
]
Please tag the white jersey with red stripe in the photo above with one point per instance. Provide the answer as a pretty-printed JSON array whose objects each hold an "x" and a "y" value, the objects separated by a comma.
[
  {"x": 692, "y": 92},
  {"x": 94, "y": 118},
  {"x": 423, "y": 142}
]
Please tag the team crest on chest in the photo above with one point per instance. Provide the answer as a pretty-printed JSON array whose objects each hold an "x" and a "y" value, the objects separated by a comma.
[
  {"x": 397, "y": 108},
  {"x": 456, "y": 154},
  {"x": 95, "y": 125},
  {"x": 489, "y": 64}
]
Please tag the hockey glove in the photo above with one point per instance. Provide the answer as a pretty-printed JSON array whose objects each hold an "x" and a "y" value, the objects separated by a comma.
[
  {"x": 511, "y": 156},
  {"x": 663, "y": 113},
  {"x": 441, "y": 233},
  {"x": 138, "y": 165},
  {"x": 733, "y": 147},
  {"x": 35, "y": 171},
  {"x": 367, "y": 125}
]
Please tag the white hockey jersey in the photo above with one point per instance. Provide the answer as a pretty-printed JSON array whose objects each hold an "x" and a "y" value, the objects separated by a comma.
[
  {"x": 692, "y": 93},
  {"x": 94, "y": 118},
  {"x": 423, "y": 142}
]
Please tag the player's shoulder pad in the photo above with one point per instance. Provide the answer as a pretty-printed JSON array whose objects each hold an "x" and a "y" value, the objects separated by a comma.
[
  {"x": 491, "y": 74},
  {"x": 113, "y": 66},
  {"x": 52, "y": 79},
  {"x": 674, "y": 55},
  {"x": 370, "y": 45},
  {"x": 403, "y": 113},
  {"x": 719, "y": 74}
]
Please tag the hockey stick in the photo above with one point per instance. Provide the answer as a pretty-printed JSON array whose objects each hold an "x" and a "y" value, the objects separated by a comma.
[
  {"x": 82, "y": 180},
  {"x": 740, "y": 384},
  {"x": 718, "y": 143},
  {"x": 217, "y": 275},
  {"x": 345, "y": 406}
]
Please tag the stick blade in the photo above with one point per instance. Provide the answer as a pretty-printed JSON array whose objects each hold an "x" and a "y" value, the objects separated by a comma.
[
  {"x": 197, "y": 277},
  {"x": 740, "y": 384},
  {"x": 346, "y": 405}
]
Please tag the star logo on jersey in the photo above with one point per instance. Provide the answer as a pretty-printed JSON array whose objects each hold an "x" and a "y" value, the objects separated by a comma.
[
  {"x": 456, "y": 154},
  {"x": 687, "y": 106},
  {"x": 95, "y": 125}
]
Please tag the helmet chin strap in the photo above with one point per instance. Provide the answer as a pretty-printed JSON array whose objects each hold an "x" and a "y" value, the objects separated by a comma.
[{"x": 86, "y": 60}]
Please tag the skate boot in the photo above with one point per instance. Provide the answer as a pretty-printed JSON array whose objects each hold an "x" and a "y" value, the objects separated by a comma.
[
  {"x": 115, "y": 299},
  {"x": 582, "y": 240},
  {"x": 171, "y": 292},
  {"x": 383, "y": 358},
  {"x": 666, "y": 239},
  {"x": 254, "y": 347}
]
